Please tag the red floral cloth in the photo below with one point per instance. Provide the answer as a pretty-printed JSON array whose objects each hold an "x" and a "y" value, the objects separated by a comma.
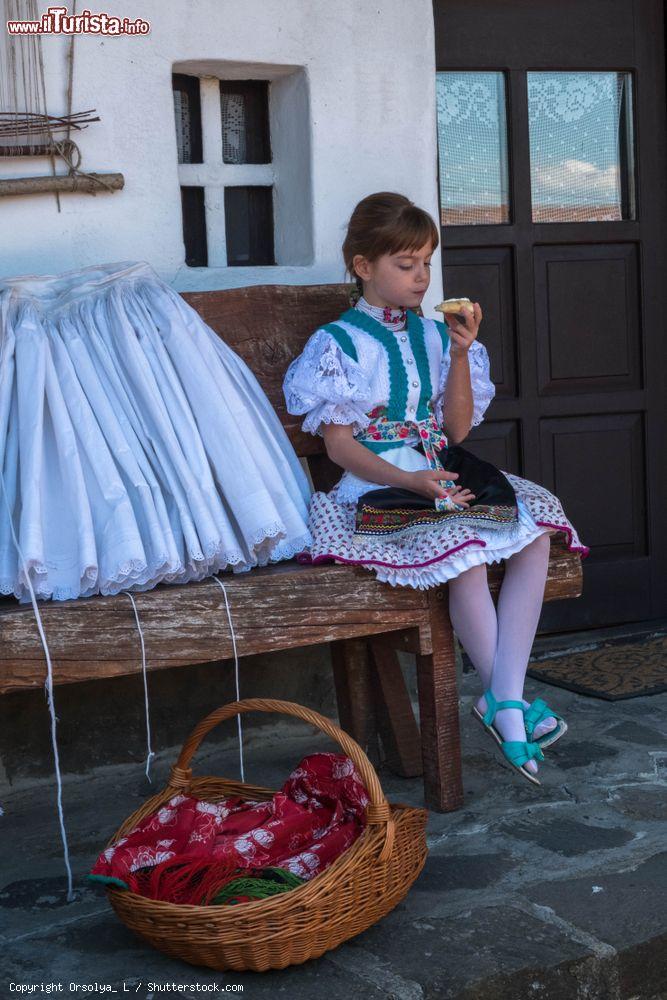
[{"x": 317, "y": 814}]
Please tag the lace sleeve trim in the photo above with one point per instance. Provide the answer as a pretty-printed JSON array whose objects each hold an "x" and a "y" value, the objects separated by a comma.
[{"x": 327, "y": 385}]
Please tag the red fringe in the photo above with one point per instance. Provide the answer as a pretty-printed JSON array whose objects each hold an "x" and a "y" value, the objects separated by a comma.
[{"x": 183, "y": 880}]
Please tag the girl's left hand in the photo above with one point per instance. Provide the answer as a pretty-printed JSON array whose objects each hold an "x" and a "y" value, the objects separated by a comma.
[{"x": 463, "y": 334}]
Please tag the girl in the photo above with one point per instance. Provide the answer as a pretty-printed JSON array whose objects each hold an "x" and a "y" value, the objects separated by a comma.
[{"x": 393, "y": 394}]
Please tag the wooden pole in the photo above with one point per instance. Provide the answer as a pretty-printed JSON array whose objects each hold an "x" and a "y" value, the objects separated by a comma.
[{"x": 87, "y": 183}]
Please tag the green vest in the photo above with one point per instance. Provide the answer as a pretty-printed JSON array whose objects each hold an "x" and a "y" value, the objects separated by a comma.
[{"x": 398, "y": 376}]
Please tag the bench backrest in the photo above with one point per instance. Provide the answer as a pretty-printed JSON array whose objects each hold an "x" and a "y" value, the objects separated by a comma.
[{"x": 267, "y": 326}]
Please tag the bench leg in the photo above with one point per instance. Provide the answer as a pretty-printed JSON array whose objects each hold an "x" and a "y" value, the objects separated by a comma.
[
  {"x": 354, "y": 694},
  {"x": 396, "y": 721},
  {"x": 439, "y": 711}
]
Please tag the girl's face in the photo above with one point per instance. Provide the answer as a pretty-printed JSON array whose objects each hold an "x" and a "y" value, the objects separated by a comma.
[{"x": 398, "y": 279}]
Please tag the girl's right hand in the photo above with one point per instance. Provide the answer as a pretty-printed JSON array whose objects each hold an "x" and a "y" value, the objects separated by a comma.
[{"x": 425, "y": 482}]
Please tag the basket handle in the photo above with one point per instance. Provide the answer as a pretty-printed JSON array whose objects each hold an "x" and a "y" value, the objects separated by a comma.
[{"x": 378, "y": 811}]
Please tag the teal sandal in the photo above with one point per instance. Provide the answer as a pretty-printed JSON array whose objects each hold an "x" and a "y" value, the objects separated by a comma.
[
  {"x": 537, "y": 712},
  {"x": 516, "y": 752}
]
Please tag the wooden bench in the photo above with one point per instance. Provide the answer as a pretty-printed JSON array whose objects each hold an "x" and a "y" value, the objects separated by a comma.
[{"x": 286, "y": 605}]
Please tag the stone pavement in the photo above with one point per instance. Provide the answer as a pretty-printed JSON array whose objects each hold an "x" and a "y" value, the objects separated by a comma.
[{"x": 540, "y": 893}]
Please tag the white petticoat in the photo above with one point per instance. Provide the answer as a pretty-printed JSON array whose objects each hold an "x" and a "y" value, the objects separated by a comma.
[{"x": 135, "y": 446}]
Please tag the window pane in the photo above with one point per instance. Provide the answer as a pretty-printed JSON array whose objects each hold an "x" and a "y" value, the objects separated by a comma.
[
  {"x": 194, "y": 226},
  {"x": 249, "y": 225},
  {"x": 245, "y": 121},
  {"x": 187, "y": 112},
  {"x": 472, "y": 146},
  {"x": 581, "y": 148}
]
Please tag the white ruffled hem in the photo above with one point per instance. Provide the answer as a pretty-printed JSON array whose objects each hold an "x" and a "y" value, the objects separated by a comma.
[
  {"x": 448, "y": 567},
  {"x": 335, "y": 413}
]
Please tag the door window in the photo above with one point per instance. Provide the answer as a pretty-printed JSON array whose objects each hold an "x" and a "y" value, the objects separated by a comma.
[
  {"x": 472, "y": 144},
  {"x": 581, "y": 149}
]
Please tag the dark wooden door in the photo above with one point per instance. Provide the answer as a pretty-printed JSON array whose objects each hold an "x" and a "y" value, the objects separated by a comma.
[{"x": 552, "y": 171}]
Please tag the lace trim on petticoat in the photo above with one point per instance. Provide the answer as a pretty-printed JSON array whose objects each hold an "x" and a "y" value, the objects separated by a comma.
[{"x": 129, "y": 575}]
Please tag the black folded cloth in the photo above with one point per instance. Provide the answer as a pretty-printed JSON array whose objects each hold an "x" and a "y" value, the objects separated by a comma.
[{"x": 390, "y": 509}]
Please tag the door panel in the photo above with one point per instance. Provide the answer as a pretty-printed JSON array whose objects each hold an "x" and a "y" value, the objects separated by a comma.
[
  {"x": 497, "y": 441},
  {"x": 580, "y": 459},
  {"x": 587, "y": 315},
  {"x": 491, "y": 272},
  {"x": 552, "y": 166}
]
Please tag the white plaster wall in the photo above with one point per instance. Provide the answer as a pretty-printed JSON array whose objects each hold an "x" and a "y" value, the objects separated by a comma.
[{"x": 371, "y": 101}]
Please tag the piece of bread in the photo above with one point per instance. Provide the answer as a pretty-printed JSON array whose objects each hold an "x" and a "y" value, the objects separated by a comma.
[{"x": 460, "y": 305}]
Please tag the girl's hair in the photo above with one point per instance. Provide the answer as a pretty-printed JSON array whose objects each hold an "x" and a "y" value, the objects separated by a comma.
[{"x": 384, "y": 223}]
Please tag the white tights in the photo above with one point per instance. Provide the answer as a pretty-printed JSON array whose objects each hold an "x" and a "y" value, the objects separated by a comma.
[{"x": 499, "y": 642}]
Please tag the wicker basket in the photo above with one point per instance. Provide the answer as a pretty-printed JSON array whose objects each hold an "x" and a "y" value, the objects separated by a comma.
[{"x": 357, "y": 889}]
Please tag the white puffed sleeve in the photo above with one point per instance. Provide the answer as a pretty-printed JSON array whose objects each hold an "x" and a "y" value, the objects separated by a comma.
[
  {"x": 327, "y": 385},
  {"x": 483, "y": 389}
]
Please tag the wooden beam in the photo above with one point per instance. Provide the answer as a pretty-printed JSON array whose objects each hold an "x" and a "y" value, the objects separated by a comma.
[
  {"x": 396, "y": 721},
  {"x": 409, "y": 641},
  {"x": 354, "y": 695},
  {"x": 439, "y": 712},
  {"x": 87, "y": 183}
]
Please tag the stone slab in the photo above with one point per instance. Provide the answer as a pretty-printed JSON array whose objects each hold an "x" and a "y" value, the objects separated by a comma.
[
  {"x": 640, "y": 802},
  {"x": 594, "y": 902},
  {"x": 632, "y": 732},
  {"x": 565, "y": 836},
  {"x": 449, "y": 956},
  {"x": 445, "y": 873}
]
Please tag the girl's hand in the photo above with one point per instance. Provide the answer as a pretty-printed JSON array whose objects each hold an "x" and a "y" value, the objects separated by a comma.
[
  {"x": 425, "y": 482},
  {"x": 463, "y": 334},
  {"x": 460, "y": 495}
]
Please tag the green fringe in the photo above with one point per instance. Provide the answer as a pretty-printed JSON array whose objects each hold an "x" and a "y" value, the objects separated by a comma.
[
  {"x": 107, "y": 880},
  {"x": 262, "y": 885}
]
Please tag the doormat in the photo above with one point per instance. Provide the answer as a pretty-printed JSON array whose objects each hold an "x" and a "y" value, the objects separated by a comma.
[{"x": 612, "y": 671}]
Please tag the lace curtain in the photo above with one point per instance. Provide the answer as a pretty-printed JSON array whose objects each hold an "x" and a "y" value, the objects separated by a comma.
[
  {"x": 581, "y": 143},
  {"x": 472, "y": 146},
  {"x": 580, "y": 146},
  {"x": 182, "y": 115}
]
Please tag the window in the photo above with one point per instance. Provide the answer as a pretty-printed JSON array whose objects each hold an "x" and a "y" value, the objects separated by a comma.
[
  {"x": 187, "y": 111},
  {"x": 248, "y": 215},
  {"x": 194, "y": 226},
  {"x": 472, "y": 148},
  {"x": 581, "y": 147},
  {"x": 244, "y": 105},
  {"x": 243, "y": 149}
]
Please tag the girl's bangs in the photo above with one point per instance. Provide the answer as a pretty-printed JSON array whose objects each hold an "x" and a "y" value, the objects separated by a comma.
[{"x": 411, "y": 232}]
